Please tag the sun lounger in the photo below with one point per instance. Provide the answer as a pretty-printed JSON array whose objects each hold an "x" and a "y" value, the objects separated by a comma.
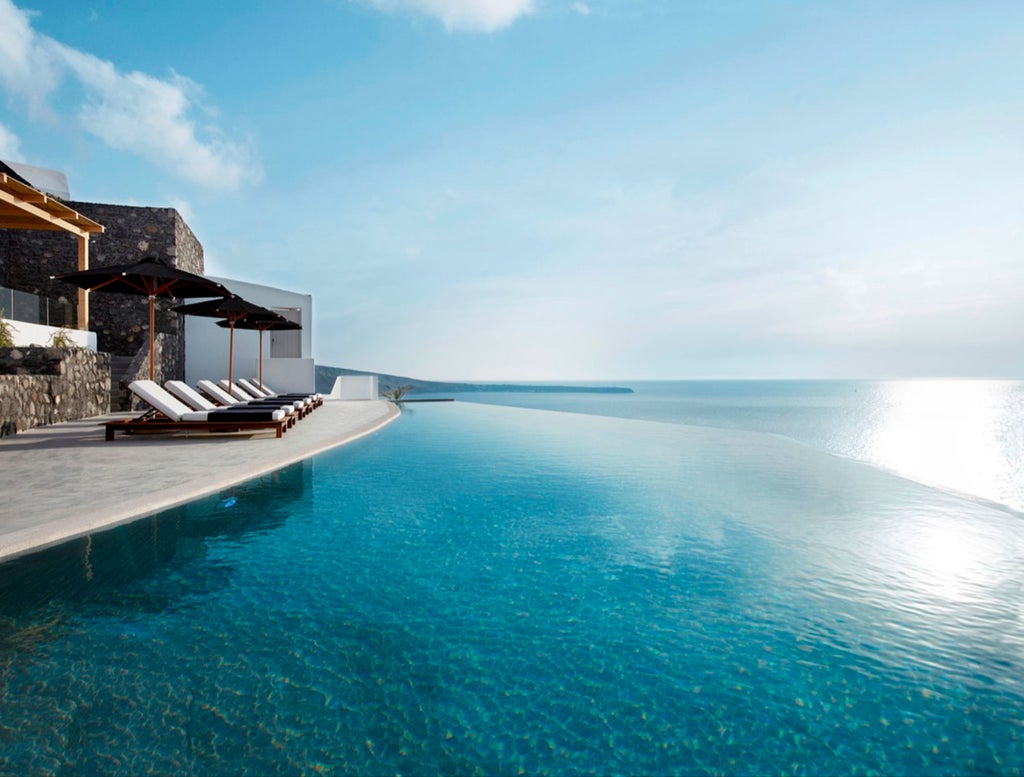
[
  {"x": 251, "y": 395},
  {"x": 252, "y": 388},
  {"x": 197, "y": 401},
  {"x": 215, "y": 393},
  {"x": 168, "y": 414},
  {"x": 221, "y": 397},
  {"x": 236, "y": 392},
  {"x": 273, "y": 393}
]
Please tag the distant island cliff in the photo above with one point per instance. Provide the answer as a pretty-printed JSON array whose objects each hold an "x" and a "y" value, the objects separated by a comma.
[{"x": 325, "y": 382}]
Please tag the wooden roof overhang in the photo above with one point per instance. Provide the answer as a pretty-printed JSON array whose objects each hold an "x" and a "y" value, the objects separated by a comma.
[{"x": 25, "y": 207}]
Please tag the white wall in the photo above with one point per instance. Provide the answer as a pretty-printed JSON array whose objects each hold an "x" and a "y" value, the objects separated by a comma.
[
  {"x": 289, "y": 375},
  {"x": 355, "y": 387},
  {"x": 40, "y": 334},
  {"x": 206, "y": 344}
]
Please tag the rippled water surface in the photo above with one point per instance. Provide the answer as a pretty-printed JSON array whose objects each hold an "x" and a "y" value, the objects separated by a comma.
[{"x": 492, "y": 590}]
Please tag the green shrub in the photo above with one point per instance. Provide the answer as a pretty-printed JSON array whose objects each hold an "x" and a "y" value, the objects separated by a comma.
[
  {"x": 62, "y": 339},
  {"x": 6, "y": 332},
  {"x": 396, "y": 393}
]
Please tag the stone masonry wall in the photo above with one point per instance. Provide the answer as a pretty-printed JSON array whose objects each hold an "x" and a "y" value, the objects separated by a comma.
[
  {"x": 121, "y": 397},
  {"x": 121, "y": 321},
  {"x": 40, "y": 386}
]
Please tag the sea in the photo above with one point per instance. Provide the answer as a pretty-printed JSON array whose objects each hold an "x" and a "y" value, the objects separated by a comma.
[
  {"x": 755, "y": 578},
  {"x": 961, "y": 435}
]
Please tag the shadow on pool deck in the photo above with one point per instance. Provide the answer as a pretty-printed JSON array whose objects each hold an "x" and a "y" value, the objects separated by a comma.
[{"x": 65, "y": 480}]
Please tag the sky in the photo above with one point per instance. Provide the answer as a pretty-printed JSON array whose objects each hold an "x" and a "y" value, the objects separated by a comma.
[{"x": 566, "y": 190}]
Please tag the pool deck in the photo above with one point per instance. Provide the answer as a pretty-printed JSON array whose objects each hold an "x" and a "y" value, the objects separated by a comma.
[{"x": 65, "y": 481}]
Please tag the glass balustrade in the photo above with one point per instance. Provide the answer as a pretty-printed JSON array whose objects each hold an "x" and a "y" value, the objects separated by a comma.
[{"x": 35, "y": 309}]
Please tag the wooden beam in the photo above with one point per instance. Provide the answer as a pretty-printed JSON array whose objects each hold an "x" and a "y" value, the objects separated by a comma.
[
  {"x": 83, "y": 294},
  {"x": 40, "y": 209},
  {"x": 29, "y": 223},
  {"x": 40, "y": 214},
  {"x": 34, "y": 196}
]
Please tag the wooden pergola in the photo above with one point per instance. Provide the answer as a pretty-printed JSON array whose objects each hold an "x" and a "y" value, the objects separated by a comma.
[{"x": 25, "y": 207}]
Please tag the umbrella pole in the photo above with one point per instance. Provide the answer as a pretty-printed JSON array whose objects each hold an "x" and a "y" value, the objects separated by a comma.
[
  {"x": 261, "y": 360},
  {"x": 152, "y": 372}
]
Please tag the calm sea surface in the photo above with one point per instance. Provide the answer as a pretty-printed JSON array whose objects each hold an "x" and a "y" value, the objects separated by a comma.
[
  {"x": 962, "y": 435},
  {"x": 499, "y": 590}
]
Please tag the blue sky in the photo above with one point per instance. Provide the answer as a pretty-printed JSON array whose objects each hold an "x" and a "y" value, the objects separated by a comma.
[{"x": 559, "y": 189}]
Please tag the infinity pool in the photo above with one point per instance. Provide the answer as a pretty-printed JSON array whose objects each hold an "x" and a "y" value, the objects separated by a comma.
[{"x": 494, "y": 590}]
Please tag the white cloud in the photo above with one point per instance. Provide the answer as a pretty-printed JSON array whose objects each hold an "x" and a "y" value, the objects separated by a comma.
[
  {"x": 581, "y": 8},
  {"x": 134, "y": 112},
  {"x": 10, "y": 147},
  {"x": 148, "y": 116},
  {"x": 26, "y": 65},
  {"x": 469, "y": 15}
]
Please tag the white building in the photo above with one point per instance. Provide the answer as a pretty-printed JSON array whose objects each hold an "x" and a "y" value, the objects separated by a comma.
[{"x": 287, "y": 355}]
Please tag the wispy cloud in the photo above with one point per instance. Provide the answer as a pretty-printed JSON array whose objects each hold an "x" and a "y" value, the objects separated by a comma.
[
  {"x": 10, "y": 146},
  {"x": 464, "y": 15},
  {"x": 27, "y": 69},
  {"x": 142, "y": 114},
  {"x": 581, "y": 8}
]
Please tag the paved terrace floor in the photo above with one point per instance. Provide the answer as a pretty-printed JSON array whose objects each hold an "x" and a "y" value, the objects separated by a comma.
[{"x": 65, "y": 481}]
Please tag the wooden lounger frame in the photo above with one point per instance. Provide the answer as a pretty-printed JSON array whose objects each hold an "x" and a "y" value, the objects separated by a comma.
[{"x": 154, "y": 421}]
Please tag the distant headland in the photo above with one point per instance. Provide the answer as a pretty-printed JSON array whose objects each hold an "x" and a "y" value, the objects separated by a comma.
[{"x": 325, "y": 381}]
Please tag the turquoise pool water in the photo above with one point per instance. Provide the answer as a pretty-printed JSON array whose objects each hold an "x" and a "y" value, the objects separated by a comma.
[{"x": 480, "y": 589}]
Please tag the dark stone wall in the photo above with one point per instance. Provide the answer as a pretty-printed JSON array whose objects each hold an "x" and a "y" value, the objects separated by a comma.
[
  {"x": 31, "y": 360},
  {"x": 121, "y": 397},
  {"x": 40, "y": 386},
  {"x": 121, "y": 321}
]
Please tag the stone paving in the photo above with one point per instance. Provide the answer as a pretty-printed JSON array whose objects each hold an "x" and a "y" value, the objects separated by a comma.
[{"x": 65, "y": 480}]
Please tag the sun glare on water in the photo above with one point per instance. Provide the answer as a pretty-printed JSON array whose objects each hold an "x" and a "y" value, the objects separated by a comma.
[
  {"x": 944, "y": 432},
  {"x": 950, "y": 561}
]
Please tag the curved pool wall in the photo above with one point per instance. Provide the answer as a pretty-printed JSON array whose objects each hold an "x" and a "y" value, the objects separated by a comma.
[{"x": 481, "y": 589}]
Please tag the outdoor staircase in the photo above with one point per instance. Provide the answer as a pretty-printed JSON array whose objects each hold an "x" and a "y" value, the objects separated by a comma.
[{"x": 118, "y": 369}]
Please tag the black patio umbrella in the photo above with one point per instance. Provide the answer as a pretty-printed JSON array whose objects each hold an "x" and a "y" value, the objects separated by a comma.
[
  {"x": 150, "y": 277},
  {"x": 263, "y": 325},
  {"x": 233, "y": 309}
]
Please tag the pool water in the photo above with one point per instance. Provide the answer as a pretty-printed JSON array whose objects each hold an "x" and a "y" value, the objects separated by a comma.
[{"x": 491, "y": 590}]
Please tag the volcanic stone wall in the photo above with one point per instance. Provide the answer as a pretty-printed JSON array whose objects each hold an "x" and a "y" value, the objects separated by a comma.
[
  {"x": 28, "y": 258},
  {"x": 40, "y": 386},
  {"x": 121, "y": 397}
]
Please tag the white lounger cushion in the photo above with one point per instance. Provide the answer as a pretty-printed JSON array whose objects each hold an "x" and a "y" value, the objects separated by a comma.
[
  {"x": 252, "y": 388},
  {"x": 243, "y": 396},
  {"x": 156, "y": 397},
  {"x": 170, "y": 406},
  {"x": 273, "y": 393},
  {"x": 235, "y": 392},
  {"x": 189, "y": 395},
  {"x": 211, "y": 389}
]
